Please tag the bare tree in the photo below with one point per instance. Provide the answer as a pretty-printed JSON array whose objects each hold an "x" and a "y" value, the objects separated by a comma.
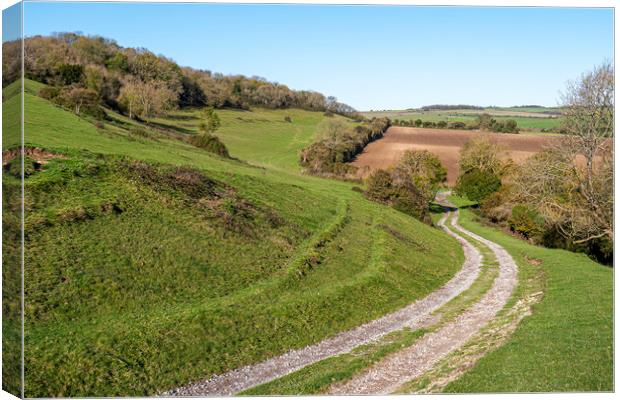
[
  {"x": 588, "y": 105},
  {"x": 571, "y": 182},
  {"x": 480, "y": 153},
  {"x": 147, "y": 99}
]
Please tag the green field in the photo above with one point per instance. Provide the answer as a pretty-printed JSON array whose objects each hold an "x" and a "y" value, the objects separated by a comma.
[
  {"x": 151, "y": 263},
  {"x": 527, "y": 118}
]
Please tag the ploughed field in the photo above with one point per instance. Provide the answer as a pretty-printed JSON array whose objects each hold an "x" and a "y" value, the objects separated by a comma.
[{"x": 446, "y": 144}]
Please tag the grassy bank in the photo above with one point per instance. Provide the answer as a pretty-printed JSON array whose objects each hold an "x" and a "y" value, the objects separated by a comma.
[{"x": 152, "y": 263}]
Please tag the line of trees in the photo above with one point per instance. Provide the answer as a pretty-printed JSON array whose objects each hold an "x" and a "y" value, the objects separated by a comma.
[
  {"x": 482, "y": 122},
  {"x": 337, "y": 143},
  {"x": 450, "y": 107},
  {"x": 142, "y": 84}
]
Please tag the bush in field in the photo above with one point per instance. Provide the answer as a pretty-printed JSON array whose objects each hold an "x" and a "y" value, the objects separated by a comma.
[
  {"x": 288, "y": 119},
  {"x": 379, "y": 186},
  {"x": 210, "y": 143},
  {"x": 410, "y": 185},
  {"x": 485, "y": 121},
  {"x": 477, "y": 185},
  {"x": 526, "y": 220},
  {"x": 508, "y": 126},
  {"x": 442, "y": 124},
  {"x": 457, "y": 125},
  {"x": 428, "y": 124},
  {"x": 403, "y": 196},
  {"x": 418, "y": 122}
]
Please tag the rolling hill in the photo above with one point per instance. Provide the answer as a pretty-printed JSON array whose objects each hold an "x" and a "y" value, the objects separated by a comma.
[{"x": 151, "y": 263}]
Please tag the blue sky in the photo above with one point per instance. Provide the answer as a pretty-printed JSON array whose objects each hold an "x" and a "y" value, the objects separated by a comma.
[{"x": 371, "y": 57}]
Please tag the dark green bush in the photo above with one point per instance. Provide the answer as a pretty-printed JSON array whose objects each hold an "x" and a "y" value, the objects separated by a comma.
[
  {"x": 477, "y": 185},
  {"x": 210, "y": 143},
  {"x": 379, "y": 186}
]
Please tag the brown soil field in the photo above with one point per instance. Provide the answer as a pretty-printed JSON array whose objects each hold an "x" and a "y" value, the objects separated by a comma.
[{"x": 446, "y": 144}]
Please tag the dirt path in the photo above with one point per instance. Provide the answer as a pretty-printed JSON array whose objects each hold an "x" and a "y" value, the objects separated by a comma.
[
  {"x": 415, "y": 315},
  {"x": 395, "y": 370}
]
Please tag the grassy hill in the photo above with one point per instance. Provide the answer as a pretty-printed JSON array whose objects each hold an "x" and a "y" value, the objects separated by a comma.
[{"x": 151, "y": 263}]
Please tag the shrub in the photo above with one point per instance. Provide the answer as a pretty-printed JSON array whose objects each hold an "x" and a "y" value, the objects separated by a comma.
[
  {"x": 442, "y": 124},
  {"x": 457, "y": 125},
  {"x": 418, "y": 122},
  {"x": 508, "y": 126},
  {"x": 288, "y": 119},
  {"x": 99, "y": 125},
  {"x": 526, "y": 220},
  {"x": 210, "y": 143},
  {"x": 477, "y": 185},
  {"x": 328, "y": 113},
  {"x": 428, "y": 124},
  {"x": 49, "y": 92},
  {"x": 496, "y": 207},
  {"x": 408, "y": 198},
  {"x": 379, "y": 186}
]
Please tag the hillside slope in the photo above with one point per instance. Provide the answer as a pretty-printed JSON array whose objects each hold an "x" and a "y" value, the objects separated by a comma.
[{"x": 151, "y": 263}]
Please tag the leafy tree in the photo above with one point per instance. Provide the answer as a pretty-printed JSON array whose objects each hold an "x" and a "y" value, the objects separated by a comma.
[
  {"x": 477, "y": 184},
  {"x": 79, "y": 100},
  {"x": 379, "y": 186},
  {"x": 418, "y": 122},
  {"x": 410, "y": 185},
  {"x": 485, "y": 121},
  {"x": 210, "y": 122},
  {"x": 70, "y": 73}
]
